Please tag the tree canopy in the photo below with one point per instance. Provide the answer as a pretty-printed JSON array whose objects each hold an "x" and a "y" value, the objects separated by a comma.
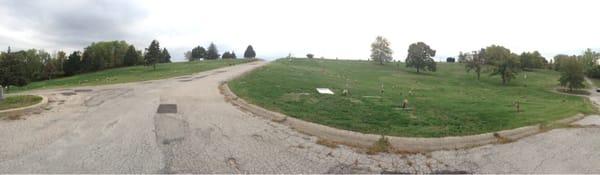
[
  {"x": 572, "y": 74},
  {"x": 381, "y": 51},
  {"x": 420, "y": 57},
  {"x": 165, "y": 56},
  {"x": 504, "y": 63},
  {"x": 212, "y": 52},
  {"x": 475, "y": 62},
  {"x": 197, "y": 53},
  {"x": 13, "y": 69},
  {"x": 249, "y": 53},
  {"x": 153, "y": 54}
]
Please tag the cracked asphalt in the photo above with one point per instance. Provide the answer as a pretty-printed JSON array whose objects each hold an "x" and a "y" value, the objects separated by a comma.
[{"x": 118, "y": 129}]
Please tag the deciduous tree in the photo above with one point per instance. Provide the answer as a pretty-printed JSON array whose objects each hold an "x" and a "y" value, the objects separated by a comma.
[
  {"x": 420, "y": 57},
  {"x": 381, "y": 51},
  {"x": 475, "y": 62},
  {"x": 572, "y": 74},
  {"x": 504, "y": 63}
]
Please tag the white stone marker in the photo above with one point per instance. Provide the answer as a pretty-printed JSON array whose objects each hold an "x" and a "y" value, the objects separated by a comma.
[{"x": 324, "y": 91}]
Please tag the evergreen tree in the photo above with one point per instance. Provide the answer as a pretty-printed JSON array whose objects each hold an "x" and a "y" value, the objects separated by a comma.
[
  {"x": 233, "y": 55},
  {"x": 213, "y": 52},
  {"x": 226, "y": 55},
  {"x": 249, "y": 53},
  {"x": 197, "y": 53},
  {"x": 166, "y": 57},
  {"x": 131, "y": 56},
  {"x": 73, "y": 64},
  {"x": 153, "y": 54}
]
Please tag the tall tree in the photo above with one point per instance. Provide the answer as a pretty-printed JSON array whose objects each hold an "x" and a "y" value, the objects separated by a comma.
[
  {"x": 166, "y": 57},
  {"x": 73, "y": 64},
  {"x": 249, "y": 53},
  {"x": 13, "y": 69},
  {"x": 153, "y": 54},
  {"x": 420, "y": 57},
  {"x": 61, "y": 57},
  {"x": 131, "y": 56},
  {"x": 226, "y": 55},
  {"x": 197, "y": 53},
  {"x": 233, "y": 55},
  {"x": 381, "y": 51},
  {"x": 504, "y": 63},
  {"x": 50, "y": 68},
  {"x": 572, "y": 74},
  {"x": 213, "y": 52},
  {"x": 475, "y": 62}
]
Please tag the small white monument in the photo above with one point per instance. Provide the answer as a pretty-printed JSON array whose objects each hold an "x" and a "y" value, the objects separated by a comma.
[{"x": 324, "y": 91}]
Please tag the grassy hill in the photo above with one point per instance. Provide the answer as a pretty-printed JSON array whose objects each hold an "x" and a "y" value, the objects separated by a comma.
[
  {"x": 448, "y": 102},
  {"x": 131, "y": 74}
]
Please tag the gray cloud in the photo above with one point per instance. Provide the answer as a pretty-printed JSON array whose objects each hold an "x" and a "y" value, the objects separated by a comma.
[{"x": 74, "y": 23}]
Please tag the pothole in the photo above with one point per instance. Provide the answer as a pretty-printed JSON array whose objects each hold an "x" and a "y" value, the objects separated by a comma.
[
  {"x": 83, "y": 90},
  {"x": 68, "y": 93}
]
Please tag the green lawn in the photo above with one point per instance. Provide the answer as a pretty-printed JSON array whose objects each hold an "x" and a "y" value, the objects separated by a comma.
[
  {"x": 131, "y": 74},
  {"x": 449, "y": 102},
  {"x": 19, "y": 101},
  {"x": 596, "y": 81}
]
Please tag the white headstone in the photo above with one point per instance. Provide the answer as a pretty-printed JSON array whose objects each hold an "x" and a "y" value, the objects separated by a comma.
[{"x": 324, "y": 91}]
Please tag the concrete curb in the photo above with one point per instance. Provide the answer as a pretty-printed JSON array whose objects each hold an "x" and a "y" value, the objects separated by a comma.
[
  {"x": 408, "y": 144},
  {"x": 26, "y": 109}
]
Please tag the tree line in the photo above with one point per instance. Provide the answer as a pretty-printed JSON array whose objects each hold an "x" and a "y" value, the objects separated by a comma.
[
  {"x": 497, "y": 61},
  {"x": 212, "y": 53},
  {"x": 18, "y": 68}
]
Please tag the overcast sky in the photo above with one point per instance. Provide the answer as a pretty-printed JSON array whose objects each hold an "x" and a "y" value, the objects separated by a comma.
[{"x": 328, "y": 28}]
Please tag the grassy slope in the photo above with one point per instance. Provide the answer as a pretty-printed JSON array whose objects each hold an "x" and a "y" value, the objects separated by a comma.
[
  {"x": 130, "y": 74},
  {"x": 448, "y": 102},
  {"x": 19, "y": 101}
]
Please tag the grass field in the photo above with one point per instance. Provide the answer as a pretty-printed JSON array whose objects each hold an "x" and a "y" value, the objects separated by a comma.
[
  {"x": 19, "y": 101},
  {"x": 449, "y": 102},
  {"x": 130, "y": 74}
]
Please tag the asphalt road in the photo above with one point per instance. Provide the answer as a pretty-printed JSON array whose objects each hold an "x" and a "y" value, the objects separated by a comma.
[{"x": 120, "y": 129}]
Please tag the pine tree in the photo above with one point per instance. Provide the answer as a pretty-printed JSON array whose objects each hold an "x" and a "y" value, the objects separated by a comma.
[
  {"x": 153, "y": 54},
  {"x": 249, "y": 53},
  {"x": 233, "y": 55},
  {"x": 166, "y": 57},
  {"x": 213, "y": 52},
  {"x": 131, "y": 56}
]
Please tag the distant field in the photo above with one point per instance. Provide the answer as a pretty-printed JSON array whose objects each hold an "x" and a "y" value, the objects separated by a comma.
[
  {"x": 131, "y": 74},
  {"x": 449, "y": 102}
]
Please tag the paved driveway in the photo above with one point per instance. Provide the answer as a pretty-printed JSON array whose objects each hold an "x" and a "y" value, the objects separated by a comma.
[{"x": 184, "y": 125}]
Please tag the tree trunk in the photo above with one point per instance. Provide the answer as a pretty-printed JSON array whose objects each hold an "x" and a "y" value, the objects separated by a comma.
[
  {"x": 1, "y": 93},
  {"x": 503, "y": 80},
  {"x": 477, "y": 76},
  {"x": 417, "y": 69},
  {"x": 154, "y": 66}
]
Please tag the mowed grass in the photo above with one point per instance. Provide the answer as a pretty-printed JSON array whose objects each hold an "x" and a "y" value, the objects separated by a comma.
[
  {"x": 19, "y": 101},
  {"x": 449, "y": 102},
  {"x": 131, "y": 74}
]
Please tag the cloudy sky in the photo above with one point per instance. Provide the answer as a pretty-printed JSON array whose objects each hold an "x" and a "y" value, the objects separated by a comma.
[{"x": 328, "y": 28}]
